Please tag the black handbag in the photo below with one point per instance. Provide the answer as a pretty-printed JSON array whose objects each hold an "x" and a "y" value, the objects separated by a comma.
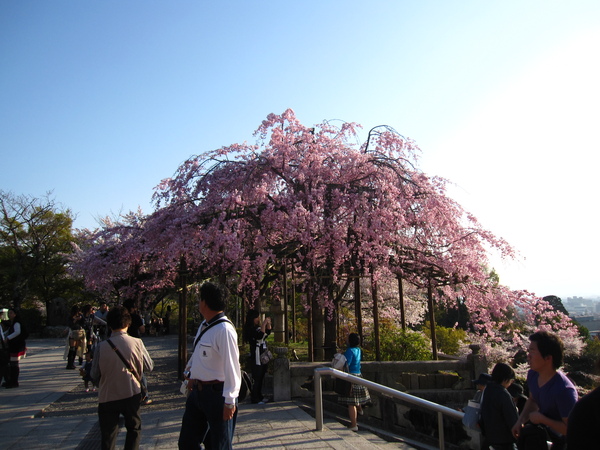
[
  {"x": 533, "y": 437},
  {"x": 343, "y": 387}
]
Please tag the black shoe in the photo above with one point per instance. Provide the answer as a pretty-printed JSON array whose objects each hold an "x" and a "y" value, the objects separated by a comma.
[{"x": 10, "y": 386}]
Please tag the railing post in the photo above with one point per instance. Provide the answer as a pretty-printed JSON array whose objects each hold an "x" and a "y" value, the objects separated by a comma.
[
  {"x": 318, "y": 400},
  {"x": 441, "y": 430},
  {"x": 393, "y": 393}
]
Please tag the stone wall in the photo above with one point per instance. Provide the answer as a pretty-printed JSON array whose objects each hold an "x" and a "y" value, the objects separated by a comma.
[{"x": 446, "y": 382}]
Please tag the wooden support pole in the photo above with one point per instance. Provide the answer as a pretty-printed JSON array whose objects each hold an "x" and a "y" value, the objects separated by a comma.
[
  {"x": 376, "y": 319},
  {"x": 182, "y": 350},
  {"x": 432, "y": 320}
]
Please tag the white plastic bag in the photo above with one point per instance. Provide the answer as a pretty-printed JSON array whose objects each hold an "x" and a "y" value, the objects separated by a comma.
[
  {"x": 339, "y": 361},
  {"x": 183, "y": 388},
  {"x": 472, "y": 415}
]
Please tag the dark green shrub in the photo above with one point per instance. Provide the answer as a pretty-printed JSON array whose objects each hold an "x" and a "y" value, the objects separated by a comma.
[
  {"x": 33, "y": 319},
  {"x": 402, "y": 345}
]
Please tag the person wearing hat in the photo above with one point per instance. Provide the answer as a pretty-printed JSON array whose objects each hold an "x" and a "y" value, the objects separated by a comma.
[
  {"x": 480, "y": 384},
  {"x": 519, "y": 398},
  {"x": 472, "y": 410}
]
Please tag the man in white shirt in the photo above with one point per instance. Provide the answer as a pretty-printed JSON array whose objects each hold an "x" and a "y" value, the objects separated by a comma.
[{"x": 214, "y": 378}]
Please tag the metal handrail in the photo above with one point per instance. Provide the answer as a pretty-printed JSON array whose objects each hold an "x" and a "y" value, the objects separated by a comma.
[{"x": 441, "y": 410}]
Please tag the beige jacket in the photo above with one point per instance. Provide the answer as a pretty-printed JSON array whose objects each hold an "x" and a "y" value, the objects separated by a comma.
[{"x": 115, "y": 381}]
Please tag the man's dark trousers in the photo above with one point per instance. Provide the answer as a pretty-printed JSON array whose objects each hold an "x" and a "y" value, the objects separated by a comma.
[
  {"x": 108, "y": 416},
  {"x": 203, "y": 420}
]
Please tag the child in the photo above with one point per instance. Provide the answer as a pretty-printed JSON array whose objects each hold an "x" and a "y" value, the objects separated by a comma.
[
  {"x": 85, "y": 371},
  {"x": 516, "y": 392}
]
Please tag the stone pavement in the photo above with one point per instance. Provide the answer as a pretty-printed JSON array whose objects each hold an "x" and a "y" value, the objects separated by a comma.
[{"x": 280, "y": 425}]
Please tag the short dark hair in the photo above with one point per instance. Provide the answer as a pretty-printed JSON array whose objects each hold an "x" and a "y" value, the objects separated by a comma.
[
  {"x": 502, "y": 372},
  {"x": 213, "y": 296},
  {"x": 118, "y": 318},
  {"x": 129, "y": 304},
  {"x": 549, "y": 344},
  {"x": 17, "y": 314},
  {"x": 353, "y": 340},
  {"x": 249, "y": 328}
]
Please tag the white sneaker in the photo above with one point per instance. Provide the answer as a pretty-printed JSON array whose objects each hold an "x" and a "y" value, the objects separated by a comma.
[{"x": 355, "y": 429}]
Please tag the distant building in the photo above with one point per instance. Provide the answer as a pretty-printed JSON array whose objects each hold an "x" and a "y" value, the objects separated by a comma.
[
  {"x": 592, "y": 323},
  {"x": 579, "y": 306}
]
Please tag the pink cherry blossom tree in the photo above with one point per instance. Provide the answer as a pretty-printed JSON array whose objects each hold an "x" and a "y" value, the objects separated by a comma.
[{"x": 312, "y": 199}]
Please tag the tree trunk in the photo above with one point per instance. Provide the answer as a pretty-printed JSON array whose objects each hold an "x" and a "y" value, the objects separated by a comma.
[
  {"x": 318, "y": 331},
  {"x": 284, "y": 304},
  {"x": 402, "y": 306},
  {"x": 293, "y": 305},
  {"x": 311, "y": 339},
  {"x": 358, "y": 307}
]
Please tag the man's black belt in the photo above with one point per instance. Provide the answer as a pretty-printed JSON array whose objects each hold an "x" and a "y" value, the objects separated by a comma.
[{"x": 216, "y": 384}]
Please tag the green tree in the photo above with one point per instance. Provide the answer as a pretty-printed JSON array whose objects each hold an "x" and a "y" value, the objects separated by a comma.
[
  {"x": 448, "y": 339},
  {"x": 35, "y": 240},
  {"x": 556, "y": 303}
]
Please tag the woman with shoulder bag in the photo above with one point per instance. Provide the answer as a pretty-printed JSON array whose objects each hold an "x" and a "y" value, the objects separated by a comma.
[
  {"x": 255, "y": 334},
  {"x": 359, "y": 394}
]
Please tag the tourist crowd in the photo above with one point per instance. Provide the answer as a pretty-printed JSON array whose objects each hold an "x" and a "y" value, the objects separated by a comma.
[{"x": 111, "y": 356}]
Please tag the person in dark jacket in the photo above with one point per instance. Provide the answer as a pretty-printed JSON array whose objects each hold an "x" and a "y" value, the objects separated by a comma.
[
  {"x": 15, "y": 340},
  {"x": 584, "y": 421},
  {"x": 255, "y": 334},
  {"x": 498, "y": 411}
]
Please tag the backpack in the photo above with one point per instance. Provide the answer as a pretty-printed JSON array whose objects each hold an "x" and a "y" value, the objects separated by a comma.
[{"x": 245, "y": 387}]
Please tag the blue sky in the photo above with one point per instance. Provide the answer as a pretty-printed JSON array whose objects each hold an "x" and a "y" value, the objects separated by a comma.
[{"x": 99, "y": 101}]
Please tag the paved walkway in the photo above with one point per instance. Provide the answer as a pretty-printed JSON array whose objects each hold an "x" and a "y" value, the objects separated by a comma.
[{"x": 281, "y": 425}]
